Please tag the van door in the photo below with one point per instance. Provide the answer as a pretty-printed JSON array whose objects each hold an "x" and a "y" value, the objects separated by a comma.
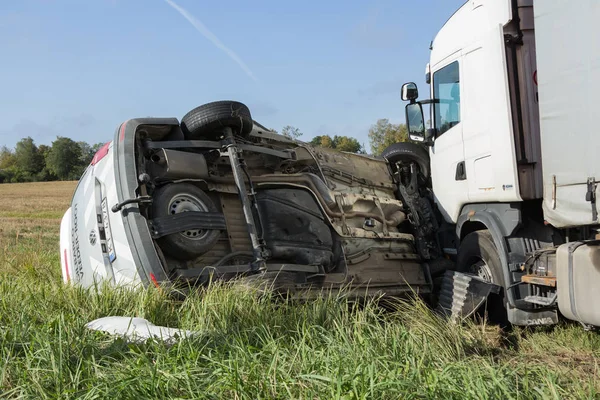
[{"x": 448, "y": 171}]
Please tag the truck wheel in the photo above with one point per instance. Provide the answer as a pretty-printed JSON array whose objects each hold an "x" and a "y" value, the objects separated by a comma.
[
  {"x": 478, "y": 255},
  {"x": 207, "y": 120},
  {"x": 408, "y": 152},
  {"x": 176, "y": 198}
]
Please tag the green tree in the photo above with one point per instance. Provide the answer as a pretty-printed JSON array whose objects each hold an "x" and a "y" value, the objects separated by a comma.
[
  {"x": 29, "y": 161},
  {"x": 291, "y": 132},
  {"x": 44, "y": 151},
  {"x": 322, "y": 141},
  {"x": 7, "y": 164},
  {"x": 87, "y": 152},
  {"x": 345, "y": 143},
  {"x": 64, "y": 159},
  {"x": 45, "y": 174},
  {"x": 7, "y": 158},
  {"x": 384, "y": 133},
  {"x": 341, "y": 143}
]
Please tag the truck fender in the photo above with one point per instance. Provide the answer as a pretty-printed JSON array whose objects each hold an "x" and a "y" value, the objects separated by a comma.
[{"x": 501, "y": 220}]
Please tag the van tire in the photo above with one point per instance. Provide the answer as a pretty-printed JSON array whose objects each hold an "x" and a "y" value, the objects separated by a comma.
[
  {"x": 478, "y": 255},
  {"x": 208, "y": 120},
  {"x": 181, "y": 197},
  {"x": 408, "y": 152}
]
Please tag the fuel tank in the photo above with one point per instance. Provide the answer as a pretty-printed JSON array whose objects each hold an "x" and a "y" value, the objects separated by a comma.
[{"x": 578, "y": 281}]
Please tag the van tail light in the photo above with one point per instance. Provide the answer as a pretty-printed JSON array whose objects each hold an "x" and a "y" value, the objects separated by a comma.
[
  {"x": 103, "y": 151},
  {"x": 154, "y": 280}
]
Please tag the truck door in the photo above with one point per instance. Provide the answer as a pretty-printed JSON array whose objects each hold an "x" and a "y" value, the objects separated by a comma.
[
  {"x": 448, "y": 172},
  {"x": 476, "y": 132},
  {"x": 487, "y": 127}
]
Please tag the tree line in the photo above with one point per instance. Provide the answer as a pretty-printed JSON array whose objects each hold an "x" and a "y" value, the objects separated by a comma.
[
  {"x": 381, "y": 135},
  {"x": 66, "y": 159}
]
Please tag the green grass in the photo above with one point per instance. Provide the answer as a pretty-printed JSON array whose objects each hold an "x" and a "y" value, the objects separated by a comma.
[{"x": 253, "y": 347}]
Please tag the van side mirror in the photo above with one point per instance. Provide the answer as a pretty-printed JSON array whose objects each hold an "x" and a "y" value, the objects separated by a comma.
[
  {"x": 415, "y": 122},
  {"x": 409, "y": 92}
]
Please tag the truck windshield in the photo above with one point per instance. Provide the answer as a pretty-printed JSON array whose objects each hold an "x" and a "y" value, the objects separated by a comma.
[{"x": 446, "y": 92}]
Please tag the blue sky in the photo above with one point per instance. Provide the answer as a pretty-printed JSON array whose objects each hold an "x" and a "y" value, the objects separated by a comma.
[{"x": 79, "y": 68}]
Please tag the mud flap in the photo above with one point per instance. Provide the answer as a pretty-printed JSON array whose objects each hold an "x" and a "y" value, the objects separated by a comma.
[
  {"x": 530, "y": 318},
  {"x": 462, "y": 294}
]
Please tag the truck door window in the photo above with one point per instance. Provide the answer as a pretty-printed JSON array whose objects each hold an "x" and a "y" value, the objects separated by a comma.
[{"x": 446, "y": 92}]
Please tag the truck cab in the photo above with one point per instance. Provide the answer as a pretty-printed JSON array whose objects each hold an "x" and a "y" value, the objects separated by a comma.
[
  {"x": 484, "y": 139},
  {"x": 510, "y": 174}
]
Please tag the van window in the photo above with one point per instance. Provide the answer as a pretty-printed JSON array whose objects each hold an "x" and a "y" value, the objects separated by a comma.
[{"x": 446, "y": 92}]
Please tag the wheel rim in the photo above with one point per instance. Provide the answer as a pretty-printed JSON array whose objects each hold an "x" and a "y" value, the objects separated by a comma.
[
  {"x": 480, "y": 268},
  {"x": 184, "y": 202}
]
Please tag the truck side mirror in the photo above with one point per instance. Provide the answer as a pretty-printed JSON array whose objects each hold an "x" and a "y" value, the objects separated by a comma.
[
  {"x": 415, "y": 122},
  {"x": 409, "y": 92}
]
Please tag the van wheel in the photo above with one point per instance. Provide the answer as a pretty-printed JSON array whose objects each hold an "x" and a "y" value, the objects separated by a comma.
[
  {"x": 478, "y": 255},
  {"x": 406, "y": 153},
  {"x": 176, "y": 198},
  {"x": 208, "y": 120}
]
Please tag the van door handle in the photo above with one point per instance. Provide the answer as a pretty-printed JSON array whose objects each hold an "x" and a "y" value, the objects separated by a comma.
[{"x": 461, "y": 173}]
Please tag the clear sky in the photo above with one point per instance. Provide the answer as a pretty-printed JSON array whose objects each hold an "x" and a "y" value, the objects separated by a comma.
[{"x": 78, "y": 68}]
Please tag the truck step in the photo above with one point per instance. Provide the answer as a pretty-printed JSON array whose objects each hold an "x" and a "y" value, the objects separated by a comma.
[
  {"x": 462, "y": 294},
  {"x": 540, "y": 280},
  {"x": 540, "y": 300}
]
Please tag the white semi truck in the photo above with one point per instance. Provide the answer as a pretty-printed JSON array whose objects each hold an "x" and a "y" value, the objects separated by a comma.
[{"x": 513, "y": 147}]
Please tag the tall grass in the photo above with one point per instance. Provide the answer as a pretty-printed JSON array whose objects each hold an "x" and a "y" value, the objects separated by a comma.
[{"x": 251, "y": 346}]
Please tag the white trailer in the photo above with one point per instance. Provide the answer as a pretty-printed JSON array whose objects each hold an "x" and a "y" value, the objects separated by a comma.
[{"x": 513, "y": 161}]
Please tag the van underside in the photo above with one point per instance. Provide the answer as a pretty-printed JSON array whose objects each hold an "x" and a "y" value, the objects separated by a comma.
[{"x": 219, "y": 196}]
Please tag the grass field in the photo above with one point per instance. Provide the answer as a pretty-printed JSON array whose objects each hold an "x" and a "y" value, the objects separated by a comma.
[{"x": 249, "y": 348}]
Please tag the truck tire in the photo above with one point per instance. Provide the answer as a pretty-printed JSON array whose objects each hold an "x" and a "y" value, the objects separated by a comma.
[
  {"x": 478, "y": 255},
  {"x": 408, "y": 152},
  {"x": 175, "y": 198},
  {"x": 207, "y": 120}
]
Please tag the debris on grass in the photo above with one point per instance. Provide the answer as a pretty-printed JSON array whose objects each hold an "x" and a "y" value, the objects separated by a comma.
[{"x": 137, "y": 330}]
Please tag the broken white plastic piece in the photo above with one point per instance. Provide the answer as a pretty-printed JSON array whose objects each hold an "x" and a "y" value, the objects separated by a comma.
[{"x": 137, "y": 329}]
